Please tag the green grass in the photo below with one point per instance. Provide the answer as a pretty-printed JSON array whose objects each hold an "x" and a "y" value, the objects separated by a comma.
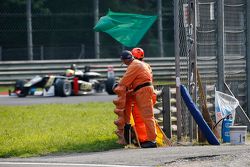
[
  {"x": 44, "y": 129},
  {"x": 6, "y": 88},
  {"x": 164, "y": 83}
]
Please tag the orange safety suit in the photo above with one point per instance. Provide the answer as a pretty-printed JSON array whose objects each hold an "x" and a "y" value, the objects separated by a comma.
[
  {"x": 137, "y": 74},
  {"x": 154, "y": 95},
  {"x": 132, "y": 108}
]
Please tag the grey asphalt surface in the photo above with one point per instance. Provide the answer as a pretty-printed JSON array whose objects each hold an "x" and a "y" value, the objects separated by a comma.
[
  {"x": 176, "y": 156},
  {"x": 30, "y": 100}
]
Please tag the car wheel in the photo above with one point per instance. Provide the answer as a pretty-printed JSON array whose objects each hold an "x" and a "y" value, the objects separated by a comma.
[
  {"x": 20, "y": 90},
  {"x": 109, "y": 86},
  {"x": 63, "y": 88}
]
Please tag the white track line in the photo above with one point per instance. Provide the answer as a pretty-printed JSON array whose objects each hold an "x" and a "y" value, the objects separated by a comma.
[{"x": 62, "y": 164}]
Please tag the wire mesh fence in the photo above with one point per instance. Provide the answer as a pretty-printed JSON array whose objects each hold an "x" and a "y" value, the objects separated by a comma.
[
  {"x": 59, "y": 27},
  {"x": 207, "y": 41}
]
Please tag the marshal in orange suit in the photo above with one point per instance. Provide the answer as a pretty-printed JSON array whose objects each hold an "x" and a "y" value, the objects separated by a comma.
[{"x": 138, "y": 79}]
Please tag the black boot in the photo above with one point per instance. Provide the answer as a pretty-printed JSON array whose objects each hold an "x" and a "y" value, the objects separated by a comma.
[
  {"x": 127, "y": 133},
  {"x": 148, "y": 144}
]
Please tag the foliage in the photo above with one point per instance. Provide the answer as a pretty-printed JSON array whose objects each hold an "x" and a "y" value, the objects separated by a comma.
[
  {"x": 19, "y": 6},
  {"x": 70, "y": 23}
]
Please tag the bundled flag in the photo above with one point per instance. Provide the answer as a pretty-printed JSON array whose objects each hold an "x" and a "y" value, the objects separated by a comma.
[
  {"x": 225, "y": 105},
  {"x": 126, "y": 28}
]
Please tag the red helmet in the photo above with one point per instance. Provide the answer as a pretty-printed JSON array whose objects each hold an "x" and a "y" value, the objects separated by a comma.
[{"x": 138, "y": 53}]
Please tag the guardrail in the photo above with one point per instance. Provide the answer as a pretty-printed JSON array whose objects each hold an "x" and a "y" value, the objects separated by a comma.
[{"x": 163, "y": 68}]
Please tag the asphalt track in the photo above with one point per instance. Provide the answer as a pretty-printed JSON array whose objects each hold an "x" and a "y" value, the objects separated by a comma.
[
  {"x": 31, "y": 100},
  {"x": 177, "y": 156}
]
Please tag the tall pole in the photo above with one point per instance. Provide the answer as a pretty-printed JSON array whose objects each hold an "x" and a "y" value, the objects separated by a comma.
[
  {"x": 29, "y": 30},
  {"x": 192, "y": 57},
  {"x": 193, "y": 61},
  {"x": 1, "y": 58},
  {"x": 177, "y": 67},
  {"x": 248, "y": 58},
  {"x": 220, "y": 56},
  {"x": 160, "y": 34},
  {"x": 97, "y": 38}
]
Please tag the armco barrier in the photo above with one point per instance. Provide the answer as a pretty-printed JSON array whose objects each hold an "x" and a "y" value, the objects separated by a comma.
[{"x": 163, "y": 68}]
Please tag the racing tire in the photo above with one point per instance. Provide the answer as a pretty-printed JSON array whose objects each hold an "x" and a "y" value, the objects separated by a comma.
[
  {"x": 109, "y": 86},
  {"x": 20, "y": 90},
  {"x": 63, "y": 88}
]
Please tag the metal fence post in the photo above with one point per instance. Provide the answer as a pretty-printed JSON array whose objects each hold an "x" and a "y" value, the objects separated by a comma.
[
  {"x": 97, "y": 38},
  {"x": 248, "y": 58},
  {"x": 166, "y": 111},
  {"x": 1, "y": 58},
  {"x": 42, "y": 52},
  {"x": 82, "y": 53},
  {"x": 221, "y": 49},
  {"x": 177, "y": 67},
  {"x": 29, "y": 30},
  {"x": 193, "y": 61},
  {"x": 160, "y": 36}
]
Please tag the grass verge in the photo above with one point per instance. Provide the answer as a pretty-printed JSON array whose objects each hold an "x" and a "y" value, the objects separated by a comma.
[
  {"x": 44, "y": 129},
  {"x": 6, "y": 88}
]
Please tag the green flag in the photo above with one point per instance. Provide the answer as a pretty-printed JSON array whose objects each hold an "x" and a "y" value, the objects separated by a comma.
[{"x": 126, "y": 28}]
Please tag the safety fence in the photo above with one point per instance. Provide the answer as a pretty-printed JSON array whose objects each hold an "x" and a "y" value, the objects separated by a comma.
[{"x": 163, "y": 68}]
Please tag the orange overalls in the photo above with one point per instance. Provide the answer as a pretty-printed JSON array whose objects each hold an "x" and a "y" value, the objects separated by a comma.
[{"x": 137, "y": 74}]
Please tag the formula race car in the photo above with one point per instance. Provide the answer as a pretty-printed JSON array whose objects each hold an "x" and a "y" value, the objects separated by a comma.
[{"x": 73, "y": 82}]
